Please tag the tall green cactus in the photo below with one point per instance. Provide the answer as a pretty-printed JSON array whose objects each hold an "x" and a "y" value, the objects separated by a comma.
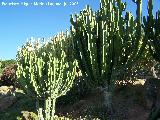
[
  {"x": 106, "y": 43},
  {"x": 152, "y": 36},
  {"x": 45, "y": 73},
  {"x": 152, "y": 31},
  {"x": 0, "y": 64}
]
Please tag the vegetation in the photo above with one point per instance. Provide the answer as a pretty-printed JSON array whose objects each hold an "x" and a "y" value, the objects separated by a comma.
[
  {"x": 106, "y": 43},
  {"x": 45, "y": 74},
  {"x": 8, "y": 76},
  {"x": 23, "y": 103},
  {"x": 7, "y": 72},
  {"x": 106, "y": 46},
  {"x": 5, "y": 63}
]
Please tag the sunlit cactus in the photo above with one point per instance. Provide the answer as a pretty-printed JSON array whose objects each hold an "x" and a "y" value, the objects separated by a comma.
[
  {"x": 45, "y": 73},
  {"x": 106, "y": 43}
]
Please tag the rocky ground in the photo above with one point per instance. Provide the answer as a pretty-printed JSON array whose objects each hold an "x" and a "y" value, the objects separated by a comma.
[
  {"x": 129, "y": 104},
  {"x": 7, "y": 97}
]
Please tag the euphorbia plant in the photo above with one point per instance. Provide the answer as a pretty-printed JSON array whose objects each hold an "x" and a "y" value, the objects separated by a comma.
[
  {"x": 106, "y": 43},
  {"x": 45, "y": 73}
]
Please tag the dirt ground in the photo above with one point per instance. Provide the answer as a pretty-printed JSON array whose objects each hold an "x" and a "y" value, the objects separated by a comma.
[{"x": 129, "y": 103}]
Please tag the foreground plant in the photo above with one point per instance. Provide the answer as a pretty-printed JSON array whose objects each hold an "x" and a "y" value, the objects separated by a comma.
[
  {"x": 106, "y": 43},
  {"x": 45, "y": 73},
  {"x": 152, "y": 35}
]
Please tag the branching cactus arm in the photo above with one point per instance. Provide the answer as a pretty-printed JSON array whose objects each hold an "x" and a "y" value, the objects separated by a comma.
[
  {"x": 152, "y": 31},
  {"x": 106, "y": 43},
  {"x": 46, "y": 73}
]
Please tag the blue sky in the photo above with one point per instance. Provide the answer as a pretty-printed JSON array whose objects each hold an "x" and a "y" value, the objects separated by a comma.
[{"x": 17, "y": 23}]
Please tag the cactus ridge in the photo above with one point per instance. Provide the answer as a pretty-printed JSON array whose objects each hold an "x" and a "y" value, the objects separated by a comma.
[
  {"x": 45, "y": 72},
  {"x": 106, "y": 42}
]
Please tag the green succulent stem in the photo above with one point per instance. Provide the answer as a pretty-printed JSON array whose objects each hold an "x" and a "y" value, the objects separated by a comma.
[
  {"x": 46, "y": 72},
  {"x": 107, "y": 43}
]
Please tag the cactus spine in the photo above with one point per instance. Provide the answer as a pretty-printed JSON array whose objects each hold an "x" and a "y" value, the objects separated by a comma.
[
  {"x": 106, "y": 43},
  {"x": 45, "y": 73}
]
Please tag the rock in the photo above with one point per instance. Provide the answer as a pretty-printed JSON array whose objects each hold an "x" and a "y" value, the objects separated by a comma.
[
  {"x": 29, "y": 115},
  {"x": 6, "y": 90},
  {"x": 7, "y": 98}
]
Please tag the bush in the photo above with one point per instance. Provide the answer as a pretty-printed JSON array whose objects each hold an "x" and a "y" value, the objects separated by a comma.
[
  {"x": 8, "y": 76},
  {"x": 5, "y": 63}
]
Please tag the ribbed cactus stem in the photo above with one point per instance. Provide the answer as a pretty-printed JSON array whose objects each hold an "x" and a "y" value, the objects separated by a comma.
[
  {"x": 47, "y": 73},
  {"x": 106, "y": 47},
  {"x": 150, "y": 7},
  {"x": 152, "y": 31}
]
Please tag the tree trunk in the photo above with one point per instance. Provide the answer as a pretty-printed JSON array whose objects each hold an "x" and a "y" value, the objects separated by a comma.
[
  {"x": 153, "y": 70},
  {"x": 46, "y": 111},
  {"x": 108, "y": 103}
]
